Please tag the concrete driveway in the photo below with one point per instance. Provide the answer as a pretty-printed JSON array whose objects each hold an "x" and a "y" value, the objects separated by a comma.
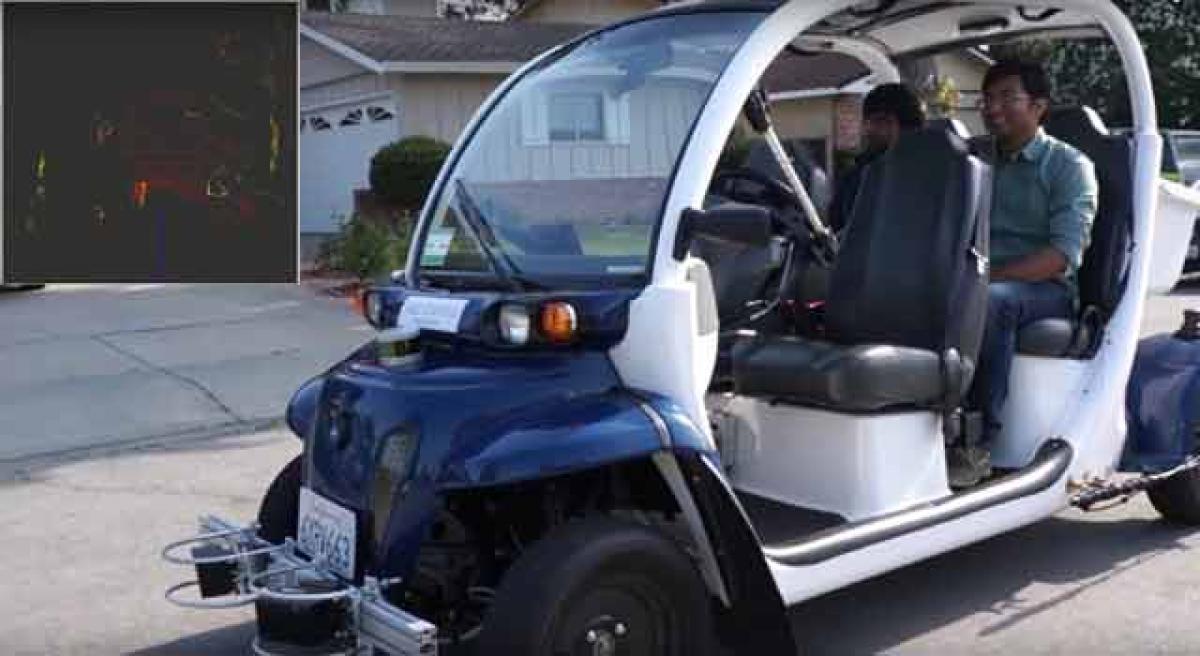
[{"x": 89, "y": 366}]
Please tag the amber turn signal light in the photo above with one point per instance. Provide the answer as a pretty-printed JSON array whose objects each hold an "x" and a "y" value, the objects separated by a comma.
[
  {"x": 558, "y": 322},
  {"x": 140, "y": 189}
]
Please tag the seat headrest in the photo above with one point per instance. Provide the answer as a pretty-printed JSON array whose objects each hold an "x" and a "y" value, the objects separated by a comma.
[
  {"x": 1073, "y": 124},
  {"x": 931, "y": 139},
  {"x": 1105, "y": 262},
  {"x": 952, "y": 125}
]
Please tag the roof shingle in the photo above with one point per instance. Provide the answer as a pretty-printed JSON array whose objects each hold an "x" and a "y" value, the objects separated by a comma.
[{"x": 409, "y": 39}]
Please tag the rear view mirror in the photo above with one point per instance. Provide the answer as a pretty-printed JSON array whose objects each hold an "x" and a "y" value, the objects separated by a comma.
[
  {"x": 735, "y": 223},
  {"x": 372, "y": 308}
]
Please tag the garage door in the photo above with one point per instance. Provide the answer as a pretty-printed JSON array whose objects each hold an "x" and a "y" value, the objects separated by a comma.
[{"x": 336, "y": 146}]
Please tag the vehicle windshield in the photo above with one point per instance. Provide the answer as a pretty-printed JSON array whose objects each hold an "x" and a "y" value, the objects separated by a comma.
[{"x": 567, "y": 175}]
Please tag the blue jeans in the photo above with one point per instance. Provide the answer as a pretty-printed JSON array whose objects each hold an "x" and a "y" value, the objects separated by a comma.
[{"x": 1011, "y": 305}]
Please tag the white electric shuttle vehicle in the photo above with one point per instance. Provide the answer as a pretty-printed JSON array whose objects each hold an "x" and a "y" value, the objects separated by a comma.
[{"x": 626, "y": 401}]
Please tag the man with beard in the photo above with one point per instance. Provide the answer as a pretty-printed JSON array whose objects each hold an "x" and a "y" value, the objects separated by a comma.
[{"x": 888, "y": 111}]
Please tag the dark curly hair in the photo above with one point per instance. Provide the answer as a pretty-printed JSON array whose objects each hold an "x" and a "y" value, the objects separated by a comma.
[
  {"x": 1033, "y": 76},
  {"x": 898, "y": 100}
]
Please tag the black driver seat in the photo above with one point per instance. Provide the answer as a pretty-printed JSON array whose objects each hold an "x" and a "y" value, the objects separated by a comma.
[{"x": 905, "y": 309}]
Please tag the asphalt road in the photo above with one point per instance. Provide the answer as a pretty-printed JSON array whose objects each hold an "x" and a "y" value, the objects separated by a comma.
[{"x": 99, "y": 467}]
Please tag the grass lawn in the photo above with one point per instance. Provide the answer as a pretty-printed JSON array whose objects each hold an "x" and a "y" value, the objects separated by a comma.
[{"x": 615, "y": 241}]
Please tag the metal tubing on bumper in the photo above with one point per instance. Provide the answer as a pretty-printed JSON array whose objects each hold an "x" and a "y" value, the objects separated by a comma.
[{"x": 372, "y": 622}]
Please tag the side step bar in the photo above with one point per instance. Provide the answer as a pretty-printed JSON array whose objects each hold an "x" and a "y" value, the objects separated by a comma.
[{"x": 1046, "y": 469}]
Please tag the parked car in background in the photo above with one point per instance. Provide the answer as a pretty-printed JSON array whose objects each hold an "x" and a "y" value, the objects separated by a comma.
[
  {"x": 1181, "y": 156},
  {"x": 1181, "y": 163}
]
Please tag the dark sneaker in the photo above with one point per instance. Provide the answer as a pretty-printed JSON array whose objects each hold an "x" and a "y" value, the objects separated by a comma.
[{"x": 968, "y": 466}]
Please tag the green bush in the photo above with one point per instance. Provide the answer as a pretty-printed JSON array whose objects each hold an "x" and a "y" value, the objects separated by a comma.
[
  {"x": 736, "y": 150},
  {"x": 402, "y": 172},
  {"x": 366, "y": 248}
]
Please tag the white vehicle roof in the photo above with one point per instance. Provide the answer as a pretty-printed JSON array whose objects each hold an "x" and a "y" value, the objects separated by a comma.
[
  {"x": 911, "y": 26},
  {"x": 875, "y": 30}
]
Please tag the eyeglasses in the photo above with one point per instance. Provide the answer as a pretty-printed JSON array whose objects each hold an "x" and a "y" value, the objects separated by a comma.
[{"x": 1004, "y": 100}]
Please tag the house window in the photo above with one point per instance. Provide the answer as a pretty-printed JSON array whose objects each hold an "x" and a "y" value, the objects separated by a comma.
[
  {"x": 576, "y": 117},
  {"x": 319, "y": 124},
  {"x": 353, "y": 117},
  {"x": 378, "y": 114}
]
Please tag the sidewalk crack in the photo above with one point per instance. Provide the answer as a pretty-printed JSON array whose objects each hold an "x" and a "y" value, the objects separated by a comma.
[{"x": 167, "y": 371}]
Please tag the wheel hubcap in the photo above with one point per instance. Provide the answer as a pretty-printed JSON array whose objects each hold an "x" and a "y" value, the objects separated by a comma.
[
  {"x": 622, "y": 618},
  {"x": 604, "y": 636}
]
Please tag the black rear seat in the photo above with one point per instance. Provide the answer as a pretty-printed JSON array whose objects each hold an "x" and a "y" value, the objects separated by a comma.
[{"x": 1105, "y": 263}]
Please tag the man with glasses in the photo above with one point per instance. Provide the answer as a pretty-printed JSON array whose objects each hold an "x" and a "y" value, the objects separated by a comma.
[{"x": 1044, "y": 201}]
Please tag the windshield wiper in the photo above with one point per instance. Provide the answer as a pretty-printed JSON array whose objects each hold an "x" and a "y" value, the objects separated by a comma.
[{"x": 499, "y": 260}]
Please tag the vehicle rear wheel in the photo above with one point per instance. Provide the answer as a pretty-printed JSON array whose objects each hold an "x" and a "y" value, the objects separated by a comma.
[
  {"x": 277, "y": 516},
  {"x": 600, "y": 586},
  {"x": 1177, "y": 499}
]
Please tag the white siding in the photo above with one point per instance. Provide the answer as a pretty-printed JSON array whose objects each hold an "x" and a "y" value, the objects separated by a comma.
[
  {"x": 656, "y": 124},
  {"x": 809, "y": 118},
  {"x": 967, "y": 73},
  {"x": 420, "y": 8},
  {"x": 440, "y": 106},
  {"x": 586, "y": 11}
]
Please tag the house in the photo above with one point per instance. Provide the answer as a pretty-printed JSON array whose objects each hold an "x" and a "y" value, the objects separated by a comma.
[
  {"x": 816, "y": 100},
  {"x": 596, "y": 12},
  {"x": 391, "y": 68},
  {"x": 367, "y": 80}
]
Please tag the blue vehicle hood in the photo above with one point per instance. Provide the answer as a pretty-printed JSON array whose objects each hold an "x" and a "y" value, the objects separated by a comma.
[{"x": 477, "y": 419}]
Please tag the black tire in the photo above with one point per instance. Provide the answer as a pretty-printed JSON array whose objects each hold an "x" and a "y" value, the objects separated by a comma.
[
  {"x": 277, "y": 516},
  {"x": 594, "y": 575},
  {"x": 1177, "y": 499},
  {"x": 6, "y": 287},
  {"x": 289, "y": 627}
]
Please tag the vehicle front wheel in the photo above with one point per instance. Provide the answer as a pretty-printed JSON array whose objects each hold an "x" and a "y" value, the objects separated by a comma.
[
  {"x": 310, "y": 627},
  {"x": 278, "y": 514},
  {"x": 600, "y": 586}
]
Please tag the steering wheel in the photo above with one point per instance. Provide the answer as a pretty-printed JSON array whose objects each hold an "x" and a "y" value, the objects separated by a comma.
[
  {"x": 751, "y": 186},
  {"x": 747, "y": 185}
]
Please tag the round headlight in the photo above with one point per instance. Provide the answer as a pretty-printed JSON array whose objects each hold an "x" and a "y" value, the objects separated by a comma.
[{"x": 514, "y": 323}]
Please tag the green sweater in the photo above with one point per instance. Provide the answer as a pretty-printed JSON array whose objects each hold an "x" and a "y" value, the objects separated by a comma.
[{"x": 1045, "y": 195}]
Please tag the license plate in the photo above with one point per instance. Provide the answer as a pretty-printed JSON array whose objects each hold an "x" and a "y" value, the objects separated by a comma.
[{"x": 326, "y": 531}]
